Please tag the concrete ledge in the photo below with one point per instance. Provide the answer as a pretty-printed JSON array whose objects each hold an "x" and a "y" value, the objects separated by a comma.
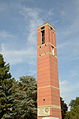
[{"x": 50, "y": 118}]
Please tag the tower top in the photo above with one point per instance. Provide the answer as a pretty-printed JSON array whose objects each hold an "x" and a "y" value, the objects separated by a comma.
[{"x": 46, "y": 24}]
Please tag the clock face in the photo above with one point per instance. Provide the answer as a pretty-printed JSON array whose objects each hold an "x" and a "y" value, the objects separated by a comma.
[
  {"x": 46, "y": 110},
  {"x": 43, "y": 111}
]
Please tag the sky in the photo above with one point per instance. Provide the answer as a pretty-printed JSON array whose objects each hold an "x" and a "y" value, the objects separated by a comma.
[{"x": 19, "y": 20}]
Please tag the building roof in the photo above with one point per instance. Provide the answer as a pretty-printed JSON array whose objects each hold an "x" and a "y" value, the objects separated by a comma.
[{"x": 45, "y": 25}]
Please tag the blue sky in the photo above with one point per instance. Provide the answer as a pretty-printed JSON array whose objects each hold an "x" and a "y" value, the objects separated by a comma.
[{"x": 19, "y": 20}]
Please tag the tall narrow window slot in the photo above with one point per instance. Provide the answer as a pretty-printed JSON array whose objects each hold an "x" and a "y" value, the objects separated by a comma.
[
  {"x": 52, "y": 50},
  {"x": 43, "y": 36}
]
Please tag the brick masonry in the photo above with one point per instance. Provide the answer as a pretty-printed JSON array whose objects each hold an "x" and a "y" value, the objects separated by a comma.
[{"x": 48, "y": 93}]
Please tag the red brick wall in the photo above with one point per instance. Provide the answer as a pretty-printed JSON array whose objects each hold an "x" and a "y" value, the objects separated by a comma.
[{"x": 47, "y": 74}]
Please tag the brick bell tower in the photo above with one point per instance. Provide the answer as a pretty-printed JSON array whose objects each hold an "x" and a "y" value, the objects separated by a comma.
[{"x": 48, "y": 92}]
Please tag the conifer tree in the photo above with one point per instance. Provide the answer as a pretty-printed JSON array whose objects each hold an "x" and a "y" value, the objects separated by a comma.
[
  {"x": 5, "y": 90},
  {"x": 25, "y": 98}
]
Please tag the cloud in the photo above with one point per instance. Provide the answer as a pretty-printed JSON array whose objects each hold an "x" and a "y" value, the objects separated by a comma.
[
  {"x": 67, "y": 90},
  {"x": 18, "y": 56},
  {"x": 5, "y": 35},
  {"x": 69, "y": 87},
  {"x": 72, "y": 29},
  {"x": 63, "y": 45},
  {"x": 68, "y": 51},
  {"x": 34, "y": 21},
  {"x": 27, "y": 54},
  {"x": 73, "y": 22}
]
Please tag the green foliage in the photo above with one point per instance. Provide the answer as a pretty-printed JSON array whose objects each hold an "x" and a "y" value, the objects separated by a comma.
[
  {"x": 74, "y": 112},
  {"x": 74, "y": 103},
  {"x": 64, "y": 107},
  {"x": 4, "y": 69},
  {"x": 5, "y": 90},
  {"x": 25, "y": 98},
  {"x": 18, "y": 99}
]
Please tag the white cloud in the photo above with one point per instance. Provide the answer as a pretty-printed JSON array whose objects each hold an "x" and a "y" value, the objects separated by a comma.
[
  {"x": 70, "y": 85},
  {"x": 67, "y": 90},
  {"x": 27, "y": 54},
  {"x": 18, "y": 56},
  {"x": 5, "y": 35},
  {"x": 34, "y": 21},
  {"x": 68, "y": 50},
  {"x": 63, "y": 45},
  {"x": 73, "y": 27}
]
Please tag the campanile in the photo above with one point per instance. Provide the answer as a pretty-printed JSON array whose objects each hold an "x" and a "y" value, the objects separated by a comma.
[{"x": 48, "y": 92}]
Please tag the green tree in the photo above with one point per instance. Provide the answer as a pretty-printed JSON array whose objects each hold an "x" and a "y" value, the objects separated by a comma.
[
  {"x": 64, "y": 107},
  {"x": 18, "y": 99},
  {"x": 25, "y": 98},
  {"x": 74, "y": 109},
  {"x": 74, "y": 103},
  {"x": 5, "y": 90}
]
